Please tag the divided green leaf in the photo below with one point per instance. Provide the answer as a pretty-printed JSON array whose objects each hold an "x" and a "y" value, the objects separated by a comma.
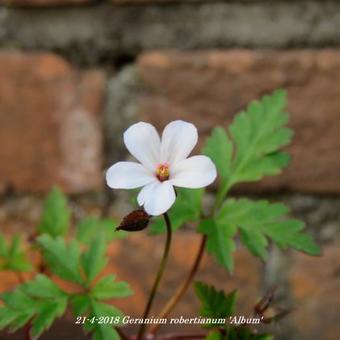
[
  {"x": 259, "y": 220},
  {"x": 258, "y": 133},
  {"x": 39, "y": 302},
  {"x": 108, "y": 288},
  {"x": 251, "y": 149},
  {"x": 62, "y": 258},
  {"x": 93, "y": 260},
  {"x": 215, "y": 304},
  {"x": 55, "y": 218},
  {"x": 12, "y": 257}
]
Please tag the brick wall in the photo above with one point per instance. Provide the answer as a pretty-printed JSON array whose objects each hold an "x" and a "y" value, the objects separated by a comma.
[{"x": 75, "y": 73}]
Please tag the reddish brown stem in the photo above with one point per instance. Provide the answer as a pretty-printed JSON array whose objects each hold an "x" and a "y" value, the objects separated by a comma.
[{"x": 183, "y": 288}]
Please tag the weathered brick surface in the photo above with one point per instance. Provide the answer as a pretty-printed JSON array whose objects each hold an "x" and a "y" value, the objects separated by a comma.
[
  {"x": 42, "y": 3},
  {"x": 315, "y": 286},
  {"x": 208, "y": 88},
  {"x": 117, "y": 32},
  {"x": 50, "y": 125}
]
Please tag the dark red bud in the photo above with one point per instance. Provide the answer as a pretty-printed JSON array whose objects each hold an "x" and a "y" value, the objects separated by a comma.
[{"x": 135, "y": 221}]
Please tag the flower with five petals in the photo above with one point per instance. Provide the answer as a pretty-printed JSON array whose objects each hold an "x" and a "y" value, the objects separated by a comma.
[{"x": 164, "y": 163}]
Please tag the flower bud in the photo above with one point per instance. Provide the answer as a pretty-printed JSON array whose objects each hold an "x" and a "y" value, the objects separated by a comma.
[{"x": 135, "y": 221}]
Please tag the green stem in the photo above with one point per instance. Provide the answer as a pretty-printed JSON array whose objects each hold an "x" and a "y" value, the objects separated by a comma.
[
  {"x": 221, "y": 194},
  {"x": 158, "y": 276}
]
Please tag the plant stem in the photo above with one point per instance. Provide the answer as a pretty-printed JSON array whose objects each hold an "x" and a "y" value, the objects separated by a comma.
[
  {"x": 185, "y": 285},
  {"x": 158, "y": 276},
  {"x": 183, "y": 288}
]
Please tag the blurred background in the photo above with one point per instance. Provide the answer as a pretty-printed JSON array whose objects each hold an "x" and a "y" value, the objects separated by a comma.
[{"x": 75, "y": 73}]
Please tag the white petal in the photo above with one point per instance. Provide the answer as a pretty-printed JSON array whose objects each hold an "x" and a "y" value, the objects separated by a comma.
[
  {"x": 178, "y": 140},
  {"x": 193, "y": 172},
  {"x": 157, "y": 197},
  {"x": 143, "y": 142},
  {"x": 146, "y": 192},
  {"x": 128, "y": 175}
]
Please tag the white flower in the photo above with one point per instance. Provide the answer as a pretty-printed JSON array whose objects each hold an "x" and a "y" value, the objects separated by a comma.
[{"x": 164, "y": 164}]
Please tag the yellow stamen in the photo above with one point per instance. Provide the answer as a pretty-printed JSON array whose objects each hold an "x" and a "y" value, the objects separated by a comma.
[{"x": 163, "y": 172}]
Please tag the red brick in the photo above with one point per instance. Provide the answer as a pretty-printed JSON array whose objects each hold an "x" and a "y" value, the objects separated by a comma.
[
  {"x": 42, "y": 3},
  {"x": 208, "y": 88},
  {"x": 315, "y": 287},
  {"x": 50, "y": 125}
]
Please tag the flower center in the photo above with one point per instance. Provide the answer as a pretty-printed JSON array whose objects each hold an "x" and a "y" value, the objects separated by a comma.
[{"x": 163, "y": 172}]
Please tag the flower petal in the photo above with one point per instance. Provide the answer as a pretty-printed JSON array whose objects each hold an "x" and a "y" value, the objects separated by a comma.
[
  {"x": 143, "y": 142},
  {"x": 128, "y": 175},
  {"x": 193, "y": 172},
  {"x": 157, "y": 197},
  {"x": 178, "y": 140}
]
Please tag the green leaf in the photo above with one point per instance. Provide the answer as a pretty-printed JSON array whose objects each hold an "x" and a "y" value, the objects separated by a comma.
[
  {"x": 7, "y": 316},
  {"x": 56, "y": 214},
  {"x": 186, "y": 208},
  {"x": 258, "y": 133},
  {"x": 215, "y": 304},
  {"x": 3, "y": 246},
  {"x": 215, "y": 335},
  {"x": 43, "y": 287},
  {"x": 80, "y": 304},
  {"x": 47, "y": 312},
  {"x": 104, "y": 331},
  {"x": 26, "y": 303},
  {"x": 220, "y": 241},
  {"x": 90, "y": 227},
  {"x": 108, "y": 288},
  {"x": 63, "y": 259},
  {"x": 220, "y": 149},
  {"x": 259, "y": 220},
  {"x": 13, "y": 256},
  {"x": 18, "y": 300},
  {"x": 93, "y": 260}
]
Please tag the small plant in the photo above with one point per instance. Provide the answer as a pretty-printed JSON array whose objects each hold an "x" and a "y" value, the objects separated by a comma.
[{"x": 247, "y": 151}]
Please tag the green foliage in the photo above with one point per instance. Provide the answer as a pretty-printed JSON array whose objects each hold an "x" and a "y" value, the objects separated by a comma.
[
  {"x": 93, "y": 260},
  {"x": 90, "y": 227},
  {"x": 39, "y": 302},
  {"x": 108, "y": 288},
  {"x": 220, "y": 241},
  {"x": 256, "y": 221},
  {"x": 63, "y": 259},
  {"x": 220, "y": 149},
  {"x": 103, "y": 331},
  {"x": 215, "y": 304},
  {"x": 247, "y": 151},
  {"x": 55, "y": 218},
  {"x": 12, "y": 256},
  {"x": 253, "y": 149},
  {"x": 186, "y": 208},
  {"x": 258, "y": 133}
]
